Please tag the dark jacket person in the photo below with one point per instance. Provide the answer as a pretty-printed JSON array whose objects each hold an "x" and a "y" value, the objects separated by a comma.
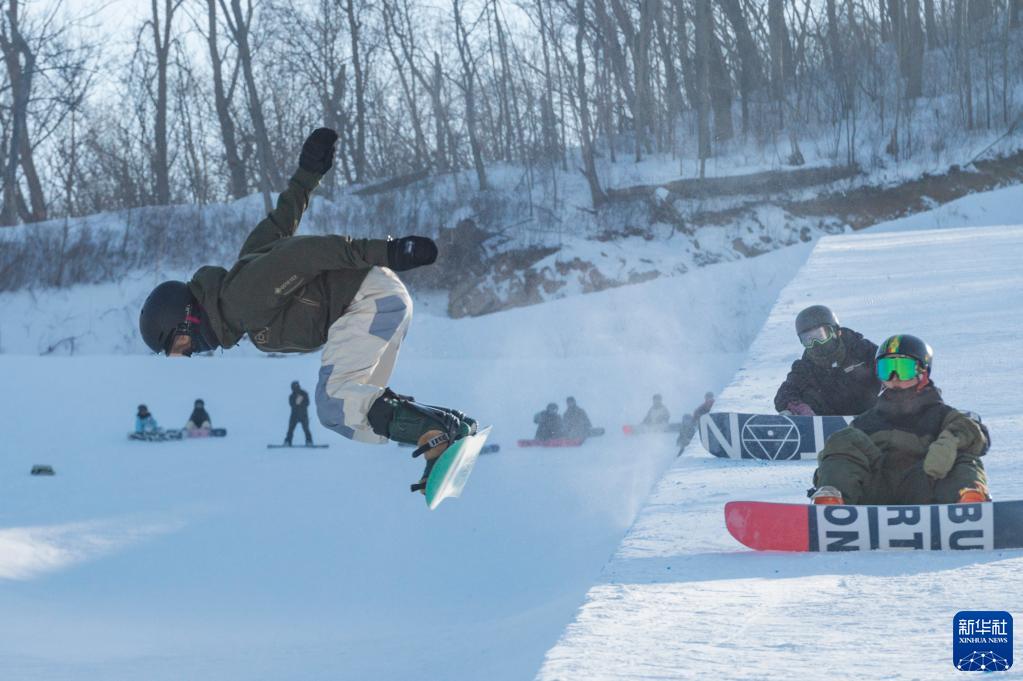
[{"x": 835, "y": 376}]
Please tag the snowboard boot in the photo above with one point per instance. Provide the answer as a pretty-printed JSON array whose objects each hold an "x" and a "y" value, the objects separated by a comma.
[
  {"x": 827, "y": 495},
  {"x": 431, "y": 429},
  {"x": 974, "y": 495}
]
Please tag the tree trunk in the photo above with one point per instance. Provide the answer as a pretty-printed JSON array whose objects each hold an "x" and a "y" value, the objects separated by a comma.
[
  {"x": 469, "y": 90},
  {"x": 597, "y": 196},
  {"x": 239, "y": 25},
  {"x": 750, "y": 68},
  {"x": 238, "y": 186},
  {"x": 359, "y": 160},
  {"x": 702, "y": 27}
]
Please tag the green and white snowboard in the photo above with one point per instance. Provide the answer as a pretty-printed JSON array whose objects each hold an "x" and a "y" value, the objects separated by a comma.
[{"x": 452, "y": 469}]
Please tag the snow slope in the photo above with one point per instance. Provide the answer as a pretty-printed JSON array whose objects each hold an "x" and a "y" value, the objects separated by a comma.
[
  {"x": 681, "y": 599},
  {"x": 220, "y": 559}
]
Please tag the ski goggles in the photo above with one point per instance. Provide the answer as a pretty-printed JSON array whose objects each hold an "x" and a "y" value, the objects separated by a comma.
[
  {"x": 818, "y": 335},
  {"x": 904, "y": 368},
  {"x": 189, "y": 328}
]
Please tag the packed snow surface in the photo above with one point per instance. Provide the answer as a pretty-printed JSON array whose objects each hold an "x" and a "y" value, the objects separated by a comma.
[
  {"x": 681, "y": 599},
  {"x": 220, "y": 559}
]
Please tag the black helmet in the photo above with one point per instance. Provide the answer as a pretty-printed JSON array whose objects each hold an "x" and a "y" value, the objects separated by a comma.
[
  {"x": 294, "y": 385},
  {"x": 905, "y": 345},
  {"x": 814, "y": 316},
  {"x": 552, "y": 407},
  {"x": 143, "y": 408},
  {"x": 200, "y": 403},
  {"x": 171, "y": 309}
]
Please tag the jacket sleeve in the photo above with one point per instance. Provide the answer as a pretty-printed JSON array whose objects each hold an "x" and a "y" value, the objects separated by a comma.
[
  {"x": 972, "y": 436},
  {"x": 791, "y": 390},
  {"x": 283, "y": 220}
]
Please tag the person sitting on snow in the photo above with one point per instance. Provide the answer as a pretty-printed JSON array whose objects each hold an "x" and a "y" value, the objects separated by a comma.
[
  {"x": 199, "y": 420},
  {"x": 145, "y": 422},
  {"x": 658, "y": 415},
  {"x": 548, "y": 423},
  {"x": 909, "y": 448},
  {"x": 575, "y": 424},
  {"x": 835, "y": 376}
]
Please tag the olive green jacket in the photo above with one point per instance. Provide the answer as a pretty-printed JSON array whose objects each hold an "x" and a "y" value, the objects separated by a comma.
[
  {"x": 886, "y": 438},
  {"x": 285, "y": 291}
]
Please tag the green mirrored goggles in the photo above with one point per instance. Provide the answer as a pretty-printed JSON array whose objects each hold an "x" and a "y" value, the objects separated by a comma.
[{"x": 904, "y": 368}]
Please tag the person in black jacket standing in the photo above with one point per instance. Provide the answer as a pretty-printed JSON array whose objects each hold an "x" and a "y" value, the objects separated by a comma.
[
  {"x": 835, "y": 376},
  {"x": 299, "y": 403}
]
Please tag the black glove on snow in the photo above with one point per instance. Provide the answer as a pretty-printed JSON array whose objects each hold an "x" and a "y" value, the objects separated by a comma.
[
  {"x": 318, "y": 151},
  {"x": 409, "y": 252}
]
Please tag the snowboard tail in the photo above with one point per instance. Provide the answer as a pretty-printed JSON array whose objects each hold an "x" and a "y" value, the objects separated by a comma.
[{"x": 766, "y": 526}]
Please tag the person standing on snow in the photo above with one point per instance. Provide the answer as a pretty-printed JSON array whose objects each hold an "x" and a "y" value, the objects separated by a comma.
[
  {"x": 575, "y": 424},
  {"x": 911, "y": 447},
  {"x": 299, "y": 293},
  {"x": 298, "y": 400},
  {"x": 835, "y": 376}
]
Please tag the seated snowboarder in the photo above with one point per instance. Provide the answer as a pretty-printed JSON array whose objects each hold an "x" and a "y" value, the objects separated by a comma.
[
  {"x": 145, "y": 422},
  {"x": 298, "y": 400},
  {"x": 835, "y": 376},
  {"x": 575, "y": 424},
  {"x": 299, "y": 293},
  {"x": 911, "y": 447},
  {"x": 705, "y": 406},
  {"x": 199, "y": 420},
  {"x": 658, "y": 415},
  {"x": 548, "y": 423},
  {"x": 690, "y": 422}
]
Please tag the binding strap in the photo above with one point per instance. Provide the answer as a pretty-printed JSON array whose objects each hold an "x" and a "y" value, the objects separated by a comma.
[{"x": 430, "y": 444}]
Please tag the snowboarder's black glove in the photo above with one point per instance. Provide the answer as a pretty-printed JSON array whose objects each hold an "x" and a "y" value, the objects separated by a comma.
[
  {"x": 410, "y": 251},
  {"x": 318, "y": 151}
]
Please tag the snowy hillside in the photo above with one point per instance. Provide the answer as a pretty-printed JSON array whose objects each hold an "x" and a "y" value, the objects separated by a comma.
[
  {"x": 681, "y": 599},
  {"x": 221, "y": 560}
]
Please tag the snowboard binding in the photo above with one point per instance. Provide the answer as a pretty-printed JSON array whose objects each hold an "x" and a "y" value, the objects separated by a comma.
[{"x": 432, "y": 429}]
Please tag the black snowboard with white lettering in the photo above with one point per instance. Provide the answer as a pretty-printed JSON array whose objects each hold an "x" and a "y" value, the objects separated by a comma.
[{"x": 769, "y": 437}]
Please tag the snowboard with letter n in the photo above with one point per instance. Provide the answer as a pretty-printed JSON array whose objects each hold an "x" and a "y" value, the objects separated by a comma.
[
  {"x": 765, "y": 526},
  {"x": 451, "y": 470},
  {"x": 769, "y": 437}
]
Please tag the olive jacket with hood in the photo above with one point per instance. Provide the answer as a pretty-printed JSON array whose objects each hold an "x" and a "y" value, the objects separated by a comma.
[
  {"x": 843, "y": 385},
  {"x": 285, "y": 291}
]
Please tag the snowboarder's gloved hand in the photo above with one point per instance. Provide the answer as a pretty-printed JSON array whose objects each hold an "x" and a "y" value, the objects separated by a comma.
[
  {"x": 410, "y": 251},
  {"x": 318, "y": 151},
  {"x": 800, "y": 408},
  {"x": 941, "y": 455}
]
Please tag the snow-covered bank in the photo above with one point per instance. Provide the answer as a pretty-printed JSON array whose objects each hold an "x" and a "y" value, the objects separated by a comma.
[{"x": 681, "y": 599}]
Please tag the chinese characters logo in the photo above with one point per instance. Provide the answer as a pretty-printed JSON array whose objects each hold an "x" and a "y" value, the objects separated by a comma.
[{"x": 982, "y": 641}]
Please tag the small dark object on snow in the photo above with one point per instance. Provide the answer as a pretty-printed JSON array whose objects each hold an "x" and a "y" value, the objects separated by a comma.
[{"x": 42, "y": 470}]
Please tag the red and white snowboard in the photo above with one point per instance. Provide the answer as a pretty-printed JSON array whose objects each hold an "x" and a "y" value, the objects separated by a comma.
[{"x": 768, "y": 526}]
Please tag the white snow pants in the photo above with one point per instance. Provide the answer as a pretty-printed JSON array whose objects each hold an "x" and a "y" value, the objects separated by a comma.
[{"x": 359, "y": 356}]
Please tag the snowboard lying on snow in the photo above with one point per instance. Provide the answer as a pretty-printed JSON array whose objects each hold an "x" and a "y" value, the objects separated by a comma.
[
  {"x": 561, "y": 441},
  {"x": 768, "y": 526},
  {"x": 770, "y": 437},
  {"x": 176, "y": 434}
]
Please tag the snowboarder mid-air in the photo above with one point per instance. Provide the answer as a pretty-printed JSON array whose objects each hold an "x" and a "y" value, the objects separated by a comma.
[
  {"x": 911, "y": 447},
  {"x": 298, "y": 400},
  {"x": 292, "y": 293},
  {"x": 835, "y": 375}
]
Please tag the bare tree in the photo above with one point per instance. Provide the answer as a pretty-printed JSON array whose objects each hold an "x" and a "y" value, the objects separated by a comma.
[{"x": 468, "y": 85}]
